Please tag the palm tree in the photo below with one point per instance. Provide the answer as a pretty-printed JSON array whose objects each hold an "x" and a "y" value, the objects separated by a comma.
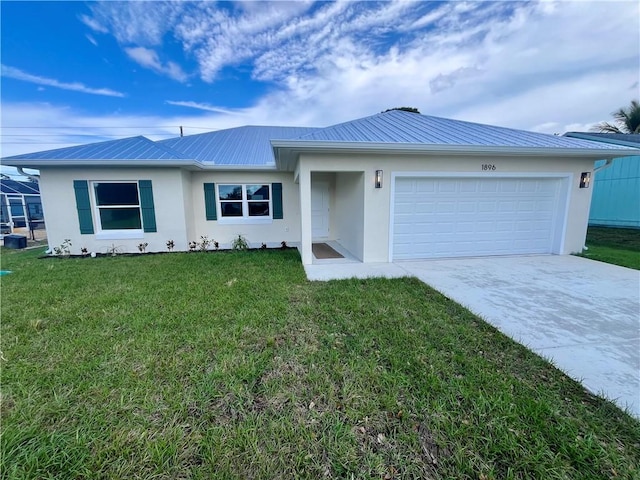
[{"x": 627, "y": 120}]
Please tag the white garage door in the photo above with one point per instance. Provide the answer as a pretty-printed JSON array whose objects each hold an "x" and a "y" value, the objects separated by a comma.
[{"x": 460, "y": 217}]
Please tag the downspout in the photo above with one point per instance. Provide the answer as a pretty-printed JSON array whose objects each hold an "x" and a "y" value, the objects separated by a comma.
[{"x": 33, "y": 178}]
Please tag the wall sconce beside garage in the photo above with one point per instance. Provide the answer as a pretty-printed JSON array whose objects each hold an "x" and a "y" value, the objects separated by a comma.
[
  {"x": 585, "y": 179},
  {"x": 378, "y": 180}
]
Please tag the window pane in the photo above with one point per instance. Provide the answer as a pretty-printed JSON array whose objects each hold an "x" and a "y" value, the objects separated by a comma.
[
  {"x": 257, "y": 192},
  {"x": 35, "y": 211},
  {"x": 120, "y": 218},
  {"x": 258, "y": 209},
  {"x": 231, "y": 209},
  {"x": 16, "y": 207},
  {"x": 230, "y": 192},
  {"x": 116, "y": 193},
  {"x": 4, "y": 211}
]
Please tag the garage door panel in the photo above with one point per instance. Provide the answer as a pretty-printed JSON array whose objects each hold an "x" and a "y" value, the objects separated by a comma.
[
  {"x": 449, "y": 217},
  {"x": 488, "y": 186}
]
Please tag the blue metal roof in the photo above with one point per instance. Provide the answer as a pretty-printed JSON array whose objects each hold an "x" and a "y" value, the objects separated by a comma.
[
  {"x": 245, "y": 146},
  {"x": 9, "y": 186},
  {"x": 134, "y": 148},
  {"x": 629, "y": 139},
  {"x": 398, "y": 126},
  {"x": 251, "y": 146}
]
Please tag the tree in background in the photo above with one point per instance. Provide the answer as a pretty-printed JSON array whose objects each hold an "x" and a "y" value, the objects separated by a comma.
[
  {"x": 627, "y": 120},
  {"x": 404, "y": 109}
]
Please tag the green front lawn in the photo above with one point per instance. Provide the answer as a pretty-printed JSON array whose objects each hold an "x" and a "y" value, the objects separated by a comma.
[
  {"x": 619, "y": 246},
  {"x": 232, "y": 365}
]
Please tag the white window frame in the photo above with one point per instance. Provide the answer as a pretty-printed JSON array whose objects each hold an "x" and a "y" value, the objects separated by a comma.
[
  {"x": 124, "y": 234},
  {"x": 245, "y": 218}
]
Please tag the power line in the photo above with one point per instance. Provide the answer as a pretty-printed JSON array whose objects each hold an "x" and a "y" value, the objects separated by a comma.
[
  {"x": 98, "y": 127},
  {"x": 70, "y": 135}
]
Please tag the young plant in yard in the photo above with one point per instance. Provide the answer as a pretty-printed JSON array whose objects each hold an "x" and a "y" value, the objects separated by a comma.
[
  {"x": 216, "y": 245},
  {"x": 84, "y": 251},
  {"x": 240, "y": 243},
  {"x": 263, "y": 246},
  {"x": 193, "y": 246},
  {"x": 64, "y": 249},
  {"x": 114, "y": 250},
  {"x": 204, "y": 243},
  {"x": 170, "y": 245},
  {"x": 283, "y": 244},
  {"x": 142, "y": 247}
]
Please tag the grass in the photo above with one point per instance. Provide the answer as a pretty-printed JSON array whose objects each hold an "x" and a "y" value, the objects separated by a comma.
[
  {"x": 619, "y": 246},
  {"x": 232, "y": 365}
]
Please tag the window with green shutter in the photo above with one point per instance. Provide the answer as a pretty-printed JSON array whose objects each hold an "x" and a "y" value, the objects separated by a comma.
[
  {"x": 243, "y": 202},
  {"x": 210, "y": 201},
  {"x": 83, "y": 205},
  {"x": 147, "y": 206},
  {"x": 276, "y": 190}
]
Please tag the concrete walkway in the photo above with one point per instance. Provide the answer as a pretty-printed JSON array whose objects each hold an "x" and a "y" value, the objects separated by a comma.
[{"x": 582, "y": 314}]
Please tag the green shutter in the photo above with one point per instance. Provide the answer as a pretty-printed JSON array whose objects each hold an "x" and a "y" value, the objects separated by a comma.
[
  {"x": 276, "y": 192},
  {"x": 210, "y": 201},
  {"x": 83, "y": 204},
  {"x": 146, "y": 204}
]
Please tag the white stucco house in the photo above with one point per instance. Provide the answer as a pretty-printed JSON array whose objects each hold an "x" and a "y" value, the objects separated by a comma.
[{"x": 392, "y": 186}]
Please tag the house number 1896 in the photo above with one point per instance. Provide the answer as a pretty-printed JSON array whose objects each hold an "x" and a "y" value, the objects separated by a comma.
[{"x": 488, "y": 166}]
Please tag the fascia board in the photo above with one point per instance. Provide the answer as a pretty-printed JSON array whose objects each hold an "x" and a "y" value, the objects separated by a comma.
[
  {"x": 189, "y": 164},
  {"x": 34, "y": 163},
  {"x": 478, "y": 150}
]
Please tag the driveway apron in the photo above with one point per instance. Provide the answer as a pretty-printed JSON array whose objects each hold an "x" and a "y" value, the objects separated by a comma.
[{"x": 582, "y": 314}]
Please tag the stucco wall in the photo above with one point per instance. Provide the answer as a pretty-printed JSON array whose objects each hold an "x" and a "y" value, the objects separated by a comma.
[
  {"x": 273, "y": 233},
  {"x": 187, "y": 196},
  {"x": 359, "y": 217},
  {"x": 58, "y": 198},
  {"x": 349, "y": 215},
  {"x": 377, "y": 202}
]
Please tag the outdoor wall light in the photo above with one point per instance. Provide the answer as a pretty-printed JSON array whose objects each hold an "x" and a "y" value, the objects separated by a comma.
[
  {"x": 378, "y": 181},
  {"x": 585, "y": 179}
]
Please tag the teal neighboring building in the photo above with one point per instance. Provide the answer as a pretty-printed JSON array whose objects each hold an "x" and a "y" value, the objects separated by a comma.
[{"x": 615, "y": 200}]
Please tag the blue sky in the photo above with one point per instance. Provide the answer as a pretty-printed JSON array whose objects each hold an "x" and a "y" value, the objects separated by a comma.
[{"x": 78, "y": 72}]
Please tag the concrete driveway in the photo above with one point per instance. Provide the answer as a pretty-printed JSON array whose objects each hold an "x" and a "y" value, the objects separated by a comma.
[{"x": 582, "y": 314}]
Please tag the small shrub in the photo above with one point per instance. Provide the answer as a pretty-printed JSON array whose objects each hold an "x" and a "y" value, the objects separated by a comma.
[
  {"x": 204, "y": 243},
  {"x": 64, "y": 250},
  {"x": 283, "y": 244},
  {"x": 263, "y": 246},
  {"x": 170, "y": 245},
  {"x": 114, "y": 250},
  {"x": 84, "y": 251},
  {"x": 193, "y": 246},
  {"x": 142, "y": 247},
  {"x": 239, "y": 243},
  {"x": 216, "y": 245}
]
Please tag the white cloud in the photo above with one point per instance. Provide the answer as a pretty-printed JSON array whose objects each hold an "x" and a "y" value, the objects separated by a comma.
[
  {"x": 203, "y": 106},
  {"x": 142, "y": 23},
  {"x": 93, "y": 24},
  {"x": 91, "y": 39},
  {"x": 148, "y": 58},
  {"x": 546, "y": 67},
  {"x": 17, "y": 74}
]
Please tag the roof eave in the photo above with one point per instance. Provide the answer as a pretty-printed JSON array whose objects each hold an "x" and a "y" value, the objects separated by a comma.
[
  {"x": 594, "y": 138},
  {"x": 152, "y": 163},
  {"x": 36, "y": 163},
  {"x": 286, "y": 150}
]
